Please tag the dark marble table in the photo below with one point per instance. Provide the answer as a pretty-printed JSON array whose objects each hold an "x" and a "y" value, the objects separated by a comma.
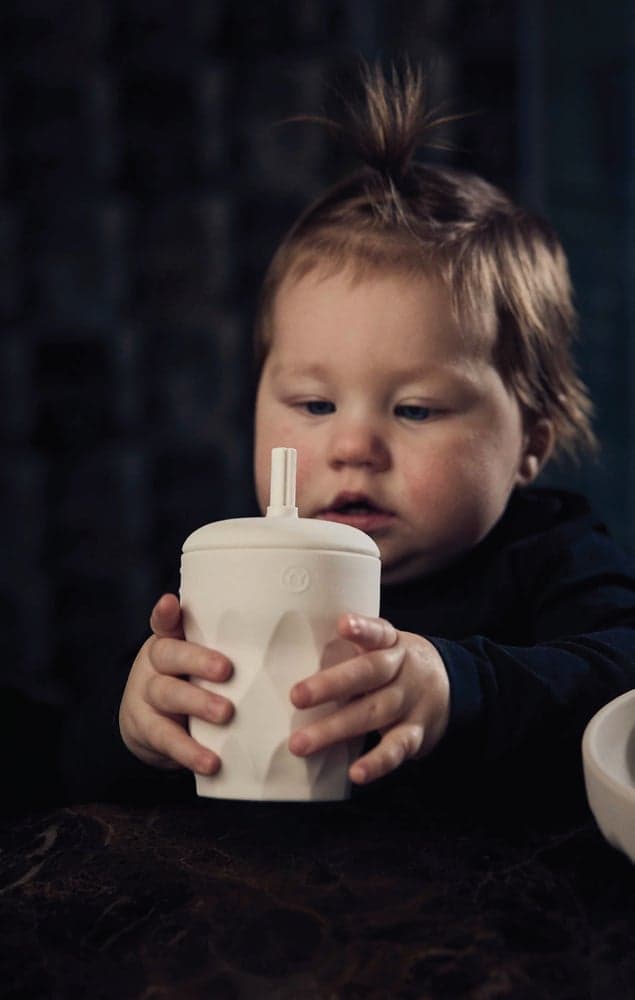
[{"x": 374, "y": 899}]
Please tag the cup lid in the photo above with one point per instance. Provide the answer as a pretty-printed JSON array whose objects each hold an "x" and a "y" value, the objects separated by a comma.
[{"x": 280, "y": 533}]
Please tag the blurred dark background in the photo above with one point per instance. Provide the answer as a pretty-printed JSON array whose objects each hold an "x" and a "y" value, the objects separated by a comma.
[{"x": 144, "y": 184}]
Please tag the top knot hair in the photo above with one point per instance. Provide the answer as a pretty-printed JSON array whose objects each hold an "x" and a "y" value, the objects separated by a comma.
[
  {"x": 504, "y": 268},
  {"x": 387, "y": 122},
  {"x": 391, "y": 122}
]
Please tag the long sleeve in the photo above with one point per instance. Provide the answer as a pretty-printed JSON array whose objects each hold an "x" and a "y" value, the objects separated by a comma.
[
  {"x": 579, "y": 607},
  {"x": 507, "y": 696},
  {"x": 537, "y": 632}
]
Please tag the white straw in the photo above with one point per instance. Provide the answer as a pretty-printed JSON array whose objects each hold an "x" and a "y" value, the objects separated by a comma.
[{"x": 282, "y": 487}]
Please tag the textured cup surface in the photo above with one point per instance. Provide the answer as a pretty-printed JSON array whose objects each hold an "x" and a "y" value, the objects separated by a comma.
[{"x": 273, "y": 613}]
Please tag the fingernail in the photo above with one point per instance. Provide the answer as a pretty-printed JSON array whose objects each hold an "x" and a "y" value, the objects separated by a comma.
[
  {"x": 218, "y": 669},
  {"x": 300, "y": 695},
  {"x": 358, "y": 774},
  {"x": 219, "y": 713},
  {"x": 206, "y": 764},
  {"x": 299, "y": 743},
  {"x": 355, "y": 624}
]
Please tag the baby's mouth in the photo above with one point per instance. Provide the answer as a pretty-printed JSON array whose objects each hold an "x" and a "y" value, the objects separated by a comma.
[{"x": 358, "y": 510}]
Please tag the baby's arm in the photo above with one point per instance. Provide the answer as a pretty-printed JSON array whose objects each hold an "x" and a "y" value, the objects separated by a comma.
[
  {"x": 397, "y": 685},
  {"x": 158, "y": 696}
]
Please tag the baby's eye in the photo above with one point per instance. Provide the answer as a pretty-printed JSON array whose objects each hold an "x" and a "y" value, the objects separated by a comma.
[
  {"x": 318, "y": 407},
  {"x": 410, "y": 411}
]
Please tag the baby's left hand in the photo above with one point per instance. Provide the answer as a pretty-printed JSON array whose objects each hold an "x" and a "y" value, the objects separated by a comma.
[{"x": 397, "y": 685}]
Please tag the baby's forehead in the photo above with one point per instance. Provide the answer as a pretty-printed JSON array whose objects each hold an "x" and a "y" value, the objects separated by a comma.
[
  {"x": 470, "y": 320},
  {"x": 356, "y": 268},
  {"x": 442, "y": 377},
  {"x": 469, "y": 298}
]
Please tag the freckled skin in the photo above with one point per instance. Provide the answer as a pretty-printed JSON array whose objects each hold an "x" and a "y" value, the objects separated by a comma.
[{"x": 377, "y": 388}]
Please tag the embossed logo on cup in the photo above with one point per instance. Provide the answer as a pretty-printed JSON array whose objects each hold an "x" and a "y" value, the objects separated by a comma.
[{"x": 296, "y": 579}]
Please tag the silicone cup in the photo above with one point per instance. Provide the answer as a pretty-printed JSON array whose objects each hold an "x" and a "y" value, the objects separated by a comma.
[{"x": 267, "y": 592}]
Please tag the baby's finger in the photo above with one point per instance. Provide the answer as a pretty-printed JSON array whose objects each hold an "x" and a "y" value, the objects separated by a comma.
[
  {"x": 350, "y": 678},
  {"x": 173, "y": 656},
  {"x": 363, "y": 715},
  {"x": 165, "y": 619},
  {"x": 176, "y": 697},
  {"x": 399, "y": 744},
  {"x": 367, "y": 633},
  {"x": 171, "y": 741}
]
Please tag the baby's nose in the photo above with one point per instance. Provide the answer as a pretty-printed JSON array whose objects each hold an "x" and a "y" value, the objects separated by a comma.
[{"x": 359, "y": 445}]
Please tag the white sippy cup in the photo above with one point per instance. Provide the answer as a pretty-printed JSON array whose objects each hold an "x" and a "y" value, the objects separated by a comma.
[{"x": 267, "y": 592}]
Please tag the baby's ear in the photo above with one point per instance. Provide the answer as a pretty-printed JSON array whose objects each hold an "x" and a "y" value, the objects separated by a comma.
[{"x": 538, "y": 446}]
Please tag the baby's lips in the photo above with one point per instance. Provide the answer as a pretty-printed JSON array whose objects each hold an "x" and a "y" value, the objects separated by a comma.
[
  {"x": 351, "y": 498},
  {"x": 358, "y": 511}
]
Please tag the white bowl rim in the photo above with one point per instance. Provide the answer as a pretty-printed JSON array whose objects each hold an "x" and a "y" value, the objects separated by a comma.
[{"x": 588, "y": 740}]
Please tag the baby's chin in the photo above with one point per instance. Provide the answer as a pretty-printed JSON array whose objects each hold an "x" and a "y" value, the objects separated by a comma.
[{"x": 400, "y": 568}]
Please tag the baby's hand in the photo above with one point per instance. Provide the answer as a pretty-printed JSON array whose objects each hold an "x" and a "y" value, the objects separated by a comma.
[
  {"x": 158, "y": 696},
  {"x": 398, "y": 685}
]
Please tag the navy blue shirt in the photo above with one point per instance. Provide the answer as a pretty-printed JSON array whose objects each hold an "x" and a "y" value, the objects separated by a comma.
[{"x": 536, "y": 627}]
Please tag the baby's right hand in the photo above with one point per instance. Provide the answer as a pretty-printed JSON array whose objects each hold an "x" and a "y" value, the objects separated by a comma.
[{"x": 159, "y": 697}]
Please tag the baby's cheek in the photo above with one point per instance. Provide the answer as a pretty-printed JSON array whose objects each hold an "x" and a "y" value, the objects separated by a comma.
[
  {"x": 442, "y": 494},
  {"x": 425, "y": 480},
  {"x": 307, "y": 473}
]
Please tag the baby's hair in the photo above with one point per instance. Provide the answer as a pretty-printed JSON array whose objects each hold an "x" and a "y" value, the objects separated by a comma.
[{"x": 504, "y": 268}]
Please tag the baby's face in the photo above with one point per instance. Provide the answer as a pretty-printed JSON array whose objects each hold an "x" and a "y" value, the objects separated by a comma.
[{"x": 403, "y": 426}]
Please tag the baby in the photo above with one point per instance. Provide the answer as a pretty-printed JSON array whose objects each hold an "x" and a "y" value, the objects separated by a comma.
[{"x": 413, "y": 342}]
